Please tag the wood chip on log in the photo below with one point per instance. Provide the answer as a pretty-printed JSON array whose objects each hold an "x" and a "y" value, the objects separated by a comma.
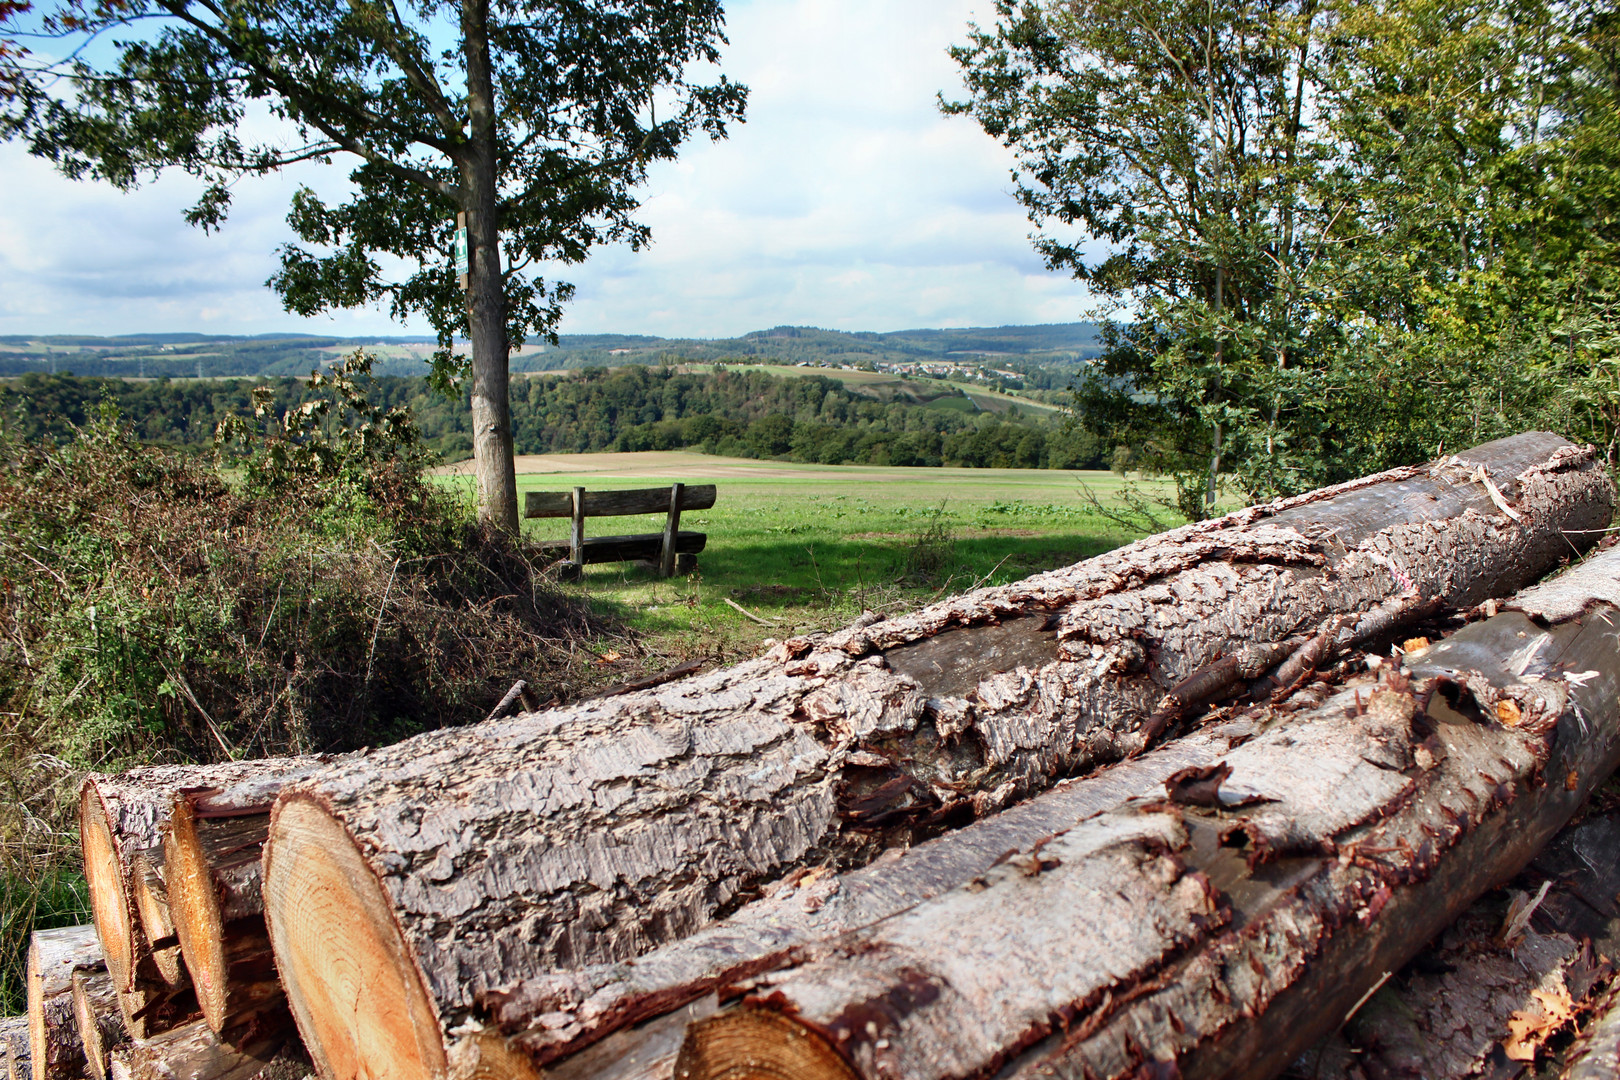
[
  {"x": 121, "y": 823},
  {"x": 53, "y": 1034},
  {"x": 468, "y": 862},
  {"x": 98, "y": 1017},
  {"x": 191, "y": 1051},
  {"x": 1339, "y": 842},
  {"x": 212, "y": 847}
]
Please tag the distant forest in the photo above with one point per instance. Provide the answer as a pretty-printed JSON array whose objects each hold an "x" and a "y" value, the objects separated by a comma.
[
  {"x": 733, "y": 413},
  {"x": 1031, "y": 349}
]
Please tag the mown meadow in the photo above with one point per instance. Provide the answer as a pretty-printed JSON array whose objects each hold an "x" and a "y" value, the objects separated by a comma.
[{"x": 804, "y": 547}]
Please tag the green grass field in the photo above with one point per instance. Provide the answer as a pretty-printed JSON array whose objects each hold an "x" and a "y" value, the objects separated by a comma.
[{"x": 806, "y": 547}]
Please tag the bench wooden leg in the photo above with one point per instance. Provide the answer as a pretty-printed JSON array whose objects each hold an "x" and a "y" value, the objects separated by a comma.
[
  {"x": 576, "y": 534},
  {"x": 666, "y": 561}
]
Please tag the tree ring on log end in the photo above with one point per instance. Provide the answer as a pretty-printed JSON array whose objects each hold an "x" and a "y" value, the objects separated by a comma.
[
  {"x": 354, "y": 989},
  {"x": 194, "y": 910},
  {"x": 109, "y": 889},
  {"x": 758, "y": 1044}
]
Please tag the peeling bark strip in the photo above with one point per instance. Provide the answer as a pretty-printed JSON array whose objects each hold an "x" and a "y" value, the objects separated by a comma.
[
  {"x": 53, "y": 1034},
  {"x": 1347, "y": 836},
  {"x": 121, "y": 822},
  {"x": 468, "y": 862},
  {"x": 212, "y": 849}
]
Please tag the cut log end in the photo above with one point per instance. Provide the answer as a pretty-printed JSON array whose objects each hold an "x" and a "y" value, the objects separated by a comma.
[
  {"x": 151, "y": 896},
  {"x": 352, "y": 985},
  {"x": 758, "y": 1044},
  {"x": 55, "y": 1052},
  {"x": 194, "y": 907},
  {"x": 109, "y": 891},
  {"x": 96, "y": 1013}
]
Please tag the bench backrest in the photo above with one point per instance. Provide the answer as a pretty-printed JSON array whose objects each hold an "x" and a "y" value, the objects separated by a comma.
[{"x": 560, "y": 504}]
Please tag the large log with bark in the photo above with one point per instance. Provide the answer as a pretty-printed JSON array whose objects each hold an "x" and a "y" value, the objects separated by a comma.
[
  {"x": 212, "y": 849},
  {"x": 1220, "y": 930},
  {"x": 626, "y": 1012},
  {"x": 472, "y": 861},
  {"x": 53, "y": 1034},
  {"x": 1499, "y": 993},
  {"x": 121, "y": 823}
]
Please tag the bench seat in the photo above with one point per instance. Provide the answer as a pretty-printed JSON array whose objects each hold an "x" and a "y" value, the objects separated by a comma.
[{"x": 597, "y": 549}]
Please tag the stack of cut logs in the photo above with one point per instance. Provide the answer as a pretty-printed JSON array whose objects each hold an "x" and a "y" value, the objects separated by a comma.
[{"x": 1177, "y": 810}]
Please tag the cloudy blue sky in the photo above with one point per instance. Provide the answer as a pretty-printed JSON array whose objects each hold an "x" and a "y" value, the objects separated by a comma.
[{"x": 846, "y": 201}]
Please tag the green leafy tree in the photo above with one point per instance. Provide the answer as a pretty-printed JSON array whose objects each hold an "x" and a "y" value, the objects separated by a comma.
[
  {"x": 1481, "y": 160},
  {"x": 1163, "y": 150},
  {"x": 534, "y": 118}
]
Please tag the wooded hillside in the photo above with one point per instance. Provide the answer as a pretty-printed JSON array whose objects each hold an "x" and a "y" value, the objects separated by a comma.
[{"x": 736, "y": 413}]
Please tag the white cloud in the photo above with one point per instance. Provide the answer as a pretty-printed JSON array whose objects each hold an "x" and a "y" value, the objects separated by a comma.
[{"x": 845, "y": 201}]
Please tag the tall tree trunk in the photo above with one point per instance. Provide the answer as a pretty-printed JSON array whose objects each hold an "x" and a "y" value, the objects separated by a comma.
[
  {"x": 486, "y": 292},
  {"x": 1220, "y": 931},
  {"x": 462, "y": 865},
  {"x": 1210, "y": 489}
]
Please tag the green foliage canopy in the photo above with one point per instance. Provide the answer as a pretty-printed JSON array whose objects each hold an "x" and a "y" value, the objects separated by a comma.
[
  {"x": 1353, "y": 234},
  {"x": 1163, "y": 150},
  {"x": 535, "y": 118}
]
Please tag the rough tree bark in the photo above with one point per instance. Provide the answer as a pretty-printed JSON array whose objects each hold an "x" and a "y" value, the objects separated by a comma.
[
  {"x": 121, "y": 822},
  {"x": 1250, "y": 909},
  {"x": 1597, "y": 1057},
  {"x": 97, "y": 1017},
  {"x": 1497, "y": 994},
  {"x": 53, "y": 1034},
  {"x": 468, "y": 862},
  {"x": 212, "y": 847},
  {"x": 486, "y": 284},
  {"x": 14, "y": 1048},
  {"x": 599, "y": 1005}
]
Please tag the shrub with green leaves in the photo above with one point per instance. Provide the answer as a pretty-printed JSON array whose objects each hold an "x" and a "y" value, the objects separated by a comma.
[{"x": 152, "y": 610}]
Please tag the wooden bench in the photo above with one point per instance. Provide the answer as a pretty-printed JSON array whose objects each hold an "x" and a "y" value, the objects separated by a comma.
[{"x": 671, "y": 552}]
